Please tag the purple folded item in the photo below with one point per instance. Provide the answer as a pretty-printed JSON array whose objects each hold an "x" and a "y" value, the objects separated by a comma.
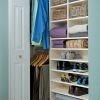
[
  {"x": 59, "y": 32},
  {"x": 58, "y": 46},
  {"x": 61, "y": 42}
]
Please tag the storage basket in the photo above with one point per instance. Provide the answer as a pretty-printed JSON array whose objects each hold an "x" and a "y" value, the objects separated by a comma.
[
  {"x": 78, "y": 10},
  {"x": 77, "y": 43},
  {"x": 59, "y": 13},
  {"x": 57, "y": 2}
]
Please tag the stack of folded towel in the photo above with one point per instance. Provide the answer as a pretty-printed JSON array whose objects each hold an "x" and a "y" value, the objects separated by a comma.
[
  {"x": 78, "y": 31},
  {"x": 58, "y": 43},
  {"x": 59, "y": 32}
]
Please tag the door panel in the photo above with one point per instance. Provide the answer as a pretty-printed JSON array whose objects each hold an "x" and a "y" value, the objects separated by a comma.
[{"x": 19, "y": 50}]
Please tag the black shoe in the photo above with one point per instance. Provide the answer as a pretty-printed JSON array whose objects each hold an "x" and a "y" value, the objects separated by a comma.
[
  {"x": 79, "y": 91},
  {"x": 83, "y": 68}
]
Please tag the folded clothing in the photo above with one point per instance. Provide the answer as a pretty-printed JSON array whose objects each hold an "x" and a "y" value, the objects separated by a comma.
[
  {"x": 78, "y": 28},
  {"x": 59, "y": 32},
  {"x": 80, "y": 34},
  {"x": 58, "y": 42},
  {"x": 58, "y": 46},
  {"x": 77, "y": 43}
]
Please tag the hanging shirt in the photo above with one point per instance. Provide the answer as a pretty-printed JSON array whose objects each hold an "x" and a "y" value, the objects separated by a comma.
[
  {"x": 41, "y": 27},
  {"x": 33, "y": 20}
]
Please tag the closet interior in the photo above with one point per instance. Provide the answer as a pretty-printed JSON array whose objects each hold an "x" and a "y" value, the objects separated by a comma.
[
  {"x": 39, "y": 52},
  {"x": 69, "y": 50}
]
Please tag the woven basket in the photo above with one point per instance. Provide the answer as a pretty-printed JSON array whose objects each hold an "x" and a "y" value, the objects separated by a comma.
[
  {"x": 78, "y": 10},
  {"x": 77, "y": 43},
  {"x": 57, "y": 2},
  {"x": 60, "y": 13}
]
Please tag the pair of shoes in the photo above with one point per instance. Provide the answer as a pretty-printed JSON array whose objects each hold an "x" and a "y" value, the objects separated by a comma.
[
  {"x": 62, "y": 65},
  {"x": 65, "y": 78},
  {"x": 70, "y": 55},
  {"x": 69, "y": 78},
  {"x": 82, "y": 81},
  {"x": 80, "y": 67},
  {"x": 77, "y": 91}
]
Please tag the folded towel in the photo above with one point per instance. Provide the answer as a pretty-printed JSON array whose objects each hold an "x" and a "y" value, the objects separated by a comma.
[
  {"x": 59, "y": 32},
  {"x": 78, "y": 28},
  {"x": 61, "y": 42},
  {"x": 58, "y": 46},
  {"x": 80, "y": 34}
]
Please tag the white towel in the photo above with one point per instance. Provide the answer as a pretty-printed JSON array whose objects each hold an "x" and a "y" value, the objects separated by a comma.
[{"x": 78, "y": 28}]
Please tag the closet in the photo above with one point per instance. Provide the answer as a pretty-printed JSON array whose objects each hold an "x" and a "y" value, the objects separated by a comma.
[
  {"x": 65, "y": 19},
  {"x": 69, "y": 50}
]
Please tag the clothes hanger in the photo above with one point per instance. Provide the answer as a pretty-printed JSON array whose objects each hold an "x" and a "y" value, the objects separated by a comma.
[
  {"x": 42, "y": 59},
  {"x": 45, "y": 60},
  {"x": 37, "y": 60}
]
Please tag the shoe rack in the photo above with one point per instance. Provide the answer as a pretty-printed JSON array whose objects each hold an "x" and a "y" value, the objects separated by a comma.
[{"x": 56, "y": 85}]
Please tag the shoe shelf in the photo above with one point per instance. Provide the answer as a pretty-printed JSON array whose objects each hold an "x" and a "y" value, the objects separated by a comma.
[
  {"x": 76, "y": 60},
  {"x": 64, "y": 91},
  {"x": 77, "y": 49},
  {"x": 57, "y": 80},
  {"x": 69, "y": 71},
  {"x": 56, "y": 85}
]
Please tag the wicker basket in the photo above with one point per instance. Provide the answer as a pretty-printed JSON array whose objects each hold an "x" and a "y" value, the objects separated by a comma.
[
  {"x": 78, "y": 10},
  {"x": 57, "y": 2},
  {"x": 60, "y": 13},
  {"x": 77, "y": 43}
]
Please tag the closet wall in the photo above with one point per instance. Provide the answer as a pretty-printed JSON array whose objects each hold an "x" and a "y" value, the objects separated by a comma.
[
  {"x": 3, "y": 49},
  {"x": 94, "y": 49}
]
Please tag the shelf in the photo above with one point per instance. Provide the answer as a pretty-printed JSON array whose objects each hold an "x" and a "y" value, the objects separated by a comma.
[
  {"x": 82, "y": 49},
  {"x": 76, "y": 60},
  {"x": 64, "y": 91},
  {"x": 56, "y": 21},
  {"x": 61, "y": 5},
  {"x": 78, "y": 18},
  {"x": 69, "y": 71},
  {"x": 78, "y": 1},
  {"x": 57, "y": 80},
  {"x": 70, "y": 38}
]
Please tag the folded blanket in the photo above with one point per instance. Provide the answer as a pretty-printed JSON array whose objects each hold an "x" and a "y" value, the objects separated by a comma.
[
  {"x": 61, "y": 42},
  {"x": 58, "y": 46},
  {"x": 80, "y": 34},
  {"x": 59, "y": 32},
  {"x": 78, "y": 28}
]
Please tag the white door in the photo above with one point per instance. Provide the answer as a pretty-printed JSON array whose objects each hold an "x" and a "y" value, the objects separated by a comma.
[{"x": 19, "y": 50}]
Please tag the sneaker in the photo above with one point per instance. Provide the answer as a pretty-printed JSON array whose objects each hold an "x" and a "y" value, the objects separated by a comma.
[
  {"x": 85, "y": 81},
  {"x": 79, "y": 81},
  {"x": 76, "y": 67},
  {"x": 83, "y": 68}
]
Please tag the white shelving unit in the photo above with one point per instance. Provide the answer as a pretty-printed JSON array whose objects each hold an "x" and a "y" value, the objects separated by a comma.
[{"x": 56, "y": 85}]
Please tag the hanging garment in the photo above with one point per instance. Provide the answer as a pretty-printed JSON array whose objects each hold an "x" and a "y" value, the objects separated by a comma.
[
  {"x": 34, "y": 83},
  {"x": 40, "y": 33},
  {"x": 34, "y": 8},
  {"x": 44, "y": 83}
]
